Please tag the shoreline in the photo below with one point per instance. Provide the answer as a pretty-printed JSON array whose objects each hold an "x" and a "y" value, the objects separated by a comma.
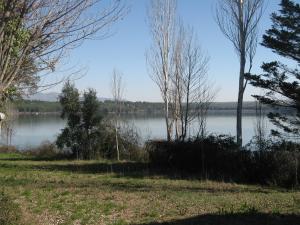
[{"x": 212, "y": 112}]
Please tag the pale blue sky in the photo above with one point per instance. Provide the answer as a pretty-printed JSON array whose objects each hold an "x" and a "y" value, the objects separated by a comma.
[{"x": 126, "y": 49}]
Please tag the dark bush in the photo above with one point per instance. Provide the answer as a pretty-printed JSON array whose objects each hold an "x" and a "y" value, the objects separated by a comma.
[
  {"x": 47, "y": 151},
  {"x": 129, "y": 143},
  {"x": 194, "y": 155},
  {"x": 8, "y": 149},
  {"x": 217, "y": 157}
]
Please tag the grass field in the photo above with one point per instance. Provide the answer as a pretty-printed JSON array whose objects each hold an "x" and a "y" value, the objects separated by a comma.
[{"x": 103, "y": 192}]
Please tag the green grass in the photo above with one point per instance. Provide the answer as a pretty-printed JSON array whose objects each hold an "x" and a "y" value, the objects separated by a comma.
[
  {"x": 103, "y": 192},
  {"x": 11, "y": 156},
  {"x": 9, "y": 211}
]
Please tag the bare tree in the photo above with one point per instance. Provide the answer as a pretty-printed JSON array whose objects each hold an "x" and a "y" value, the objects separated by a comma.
[
  {"x": 36, "y": 34},
  {"x": 207, "y": 95},
  {"x": 177, "y": 88},
  {"x": 260, "y": 129},
  {"x": 162, "y": 19},
  {"x": 192, "y": 92},
  {"x": 239, "y": 21},
  {"x": 117, "y": 89}
]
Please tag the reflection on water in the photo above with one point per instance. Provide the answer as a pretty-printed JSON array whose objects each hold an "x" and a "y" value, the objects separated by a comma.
[{"x": 30, "y": 131}]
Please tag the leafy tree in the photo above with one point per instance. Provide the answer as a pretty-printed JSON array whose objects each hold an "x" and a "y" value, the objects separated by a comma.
[
  {"x": 91, "y": 123},
  {"x": 71, "y": 134},
  {"x": 83, "y": 131},
  {"x": 86, "y": 134},
  {"x": 281, "y": 82}
]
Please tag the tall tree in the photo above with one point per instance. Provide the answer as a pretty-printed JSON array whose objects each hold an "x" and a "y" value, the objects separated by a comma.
[
  {"x": 36, "y": 34},
  {"x": 91, "y": 123},
  {"x": 82, "y": 133},
  {"x": 190, "y": 86},
  {"x": 71, "y": 111},
  {"x": 281, "y": 82},
  {"x": 117, "y": 88},
  {"x": 239, "y": 20},
  {"x": 162, "y": 17}
]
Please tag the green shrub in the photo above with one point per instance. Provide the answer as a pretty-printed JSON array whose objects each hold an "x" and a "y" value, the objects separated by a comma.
[{"x": 129, "y": 143}]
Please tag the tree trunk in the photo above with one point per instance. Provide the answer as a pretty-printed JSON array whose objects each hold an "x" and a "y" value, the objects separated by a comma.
[
  {"x": 117, "y": 144},
  {"x": 177, "y": 127},
  {"x": 296, "y": 168},
  {"x": 239, "y": 114},
  {"x": 187, "y": 107},
  {"x": 167, "y": 113}
]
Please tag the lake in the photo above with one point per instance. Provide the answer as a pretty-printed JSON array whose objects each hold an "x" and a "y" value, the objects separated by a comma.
[{"x": 31, "y": 131}]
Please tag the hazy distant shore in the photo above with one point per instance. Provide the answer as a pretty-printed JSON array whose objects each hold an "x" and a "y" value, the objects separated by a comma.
[
  {"x": 214, "y": 112},
  {"x": 28, "y": 107}
]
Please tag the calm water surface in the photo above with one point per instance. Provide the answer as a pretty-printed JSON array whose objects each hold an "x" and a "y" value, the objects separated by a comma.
[{"x": 31, "y": 131}]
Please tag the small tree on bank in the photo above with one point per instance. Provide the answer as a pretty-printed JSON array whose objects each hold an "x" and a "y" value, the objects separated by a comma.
[
  {"x": 82, "y": 132},
  {"x": 87, "y": 134},
  {"x": 117, "y": 88},
  {"x": 71, "y": 110},
  {"x": 91, "y": 123}
]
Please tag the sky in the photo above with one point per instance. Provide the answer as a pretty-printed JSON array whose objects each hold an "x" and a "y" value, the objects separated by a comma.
[{"x": 126, "y": 49}]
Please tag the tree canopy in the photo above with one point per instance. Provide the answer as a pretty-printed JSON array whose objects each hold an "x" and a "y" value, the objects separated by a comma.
[
  {"x": 281, "y": 82},
  {"x": 36, "y": 34}
]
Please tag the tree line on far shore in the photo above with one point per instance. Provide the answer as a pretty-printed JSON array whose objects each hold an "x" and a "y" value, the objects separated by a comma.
[{"x": 137, "y": 108}]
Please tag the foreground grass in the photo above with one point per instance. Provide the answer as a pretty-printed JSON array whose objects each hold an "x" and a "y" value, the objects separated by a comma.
[{"x": 101, "y": 192}]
